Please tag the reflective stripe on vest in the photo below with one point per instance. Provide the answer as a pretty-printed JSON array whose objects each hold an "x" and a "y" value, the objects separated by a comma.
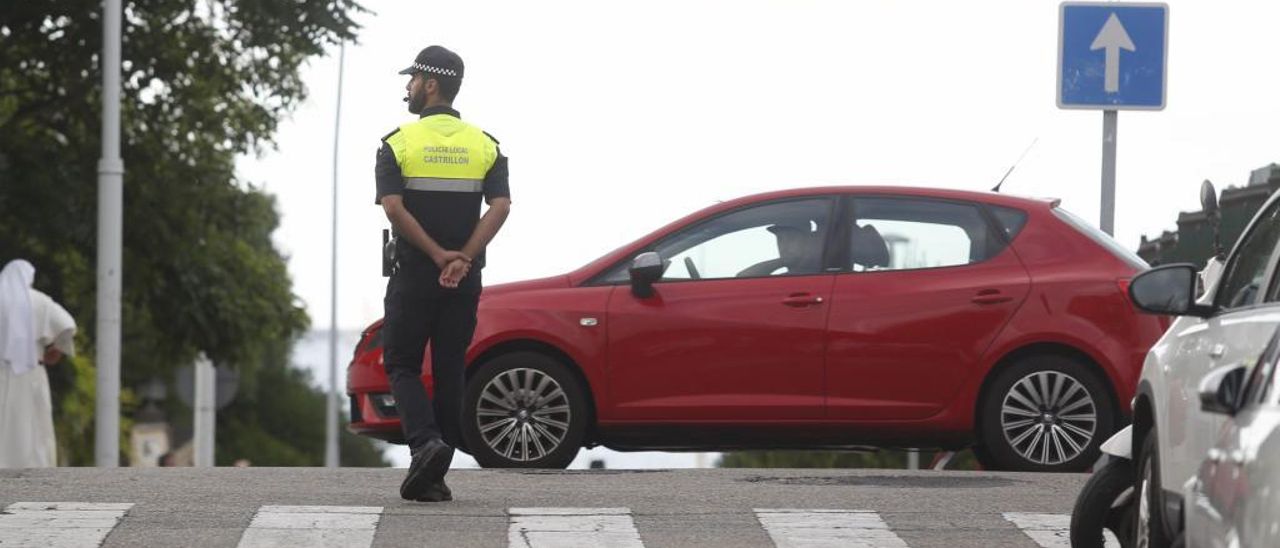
[
  {"x": 441, "y": 153},
  {"x": 444, "y": 185}
]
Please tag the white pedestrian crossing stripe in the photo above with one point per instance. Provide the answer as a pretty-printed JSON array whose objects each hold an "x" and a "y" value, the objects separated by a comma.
[
  {"x": 790, "y": 528},
  {"x": 572, "y": 528},
  {"x": 59, "y": 524},
  {"x": 1050, "y": 530},
  {"x": 319, "y": 526},
  {"x": 77, "y": 524}
]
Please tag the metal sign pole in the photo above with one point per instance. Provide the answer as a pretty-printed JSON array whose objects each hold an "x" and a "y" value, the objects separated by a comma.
[
  {"x": 106, "y": 438},
  {"x": 331, "y": 456},
  {"x": 1110, "y": 118},
  {"x": 1129, "y": 42}
]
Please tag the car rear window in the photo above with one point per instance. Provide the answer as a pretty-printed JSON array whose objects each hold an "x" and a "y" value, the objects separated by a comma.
[{"x": 1102, "y": 239}]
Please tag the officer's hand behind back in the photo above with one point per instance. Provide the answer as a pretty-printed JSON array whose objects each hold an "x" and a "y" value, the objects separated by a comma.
[{"x": 454, "y": 272}]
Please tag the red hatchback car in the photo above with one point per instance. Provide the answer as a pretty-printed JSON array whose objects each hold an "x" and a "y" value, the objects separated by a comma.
[{"x": 812, "y": 318}]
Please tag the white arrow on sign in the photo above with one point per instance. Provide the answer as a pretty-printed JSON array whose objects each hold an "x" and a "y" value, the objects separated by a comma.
[{"x": 1113, "y": 38}]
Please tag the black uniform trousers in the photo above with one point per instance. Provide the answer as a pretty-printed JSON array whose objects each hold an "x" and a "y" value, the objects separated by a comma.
[{"x": 417, "y": 311}]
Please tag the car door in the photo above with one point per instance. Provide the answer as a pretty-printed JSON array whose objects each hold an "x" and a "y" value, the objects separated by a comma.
[
  {"x": 1236, "y": 498},
  {"x": 929, "y": 285},
  {"x": 1247, "y": 314},
  {"x": 734, "y": 330}
]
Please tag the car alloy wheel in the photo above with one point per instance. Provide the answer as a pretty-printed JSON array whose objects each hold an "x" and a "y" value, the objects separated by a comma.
[
  {"x": 1044, "y": 413},
  {"x": 1048, "y": 417},
  {"x": 523, "y": 414}
]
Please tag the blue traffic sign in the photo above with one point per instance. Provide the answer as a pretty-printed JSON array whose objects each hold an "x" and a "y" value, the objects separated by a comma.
[{"x": 1112, "y": 56}]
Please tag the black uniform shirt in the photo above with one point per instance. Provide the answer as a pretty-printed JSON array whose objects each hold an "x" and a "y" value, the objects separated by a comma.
[{"x": 449, "y": 218}]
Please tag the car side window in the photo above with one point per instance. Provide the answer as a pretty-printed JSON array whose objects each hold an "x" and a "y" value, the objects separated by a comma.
[
  {"x": 749, "y": 242},
  {"x": 774, "y": 239},
  {"x": 1244, "y": 275},
  {"x": 1266, "y": 388},
  {"x": 913, "y": 233},
  {"x": 1269, "y": 392},
  {"x": 1011, "y": 220},
  {"x": 1260, "y": 388}
]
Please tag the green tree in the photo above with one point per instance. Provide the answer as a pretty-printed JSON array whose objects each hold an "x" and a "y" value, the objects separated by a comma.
[
  {"x": 281, "y": 423},
  {"x": 203, "y": 82}
]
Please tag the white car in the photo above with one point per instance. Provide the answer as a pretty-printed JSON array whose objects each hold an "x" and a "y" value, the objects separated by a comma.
[
  {"x": 1229, "y": 324},
  {"x": 1234, "y": 501}
]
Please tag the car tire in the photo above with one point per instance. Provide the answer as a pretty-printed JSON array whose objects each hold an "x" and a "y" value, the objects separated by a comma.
[
  {"x": 984, "y": 458},
  {"x": 1095, "y": 509},
  {"x": 1149, "y": 527},
  {"x": 524, "y": 410},
  {"x": 1045, "y": 413}
]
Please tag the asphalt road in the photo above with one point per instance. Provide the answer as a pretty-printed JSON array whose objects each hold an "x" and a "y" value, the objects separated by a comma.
[{"x": 703, "y": 508}]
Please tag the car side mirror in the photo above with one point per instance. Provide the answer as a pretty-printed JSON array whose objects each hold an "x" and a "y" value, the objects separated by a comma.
[
  {"x": 1220, "y": 390},
  {"x": 1168, "y": 289},
  {"x": 646, "y": 269}
]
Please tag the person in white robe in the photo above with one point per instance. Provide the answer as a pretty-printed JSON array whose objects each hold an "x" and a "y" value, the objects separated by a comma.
[{"x": 34, "y": 332}]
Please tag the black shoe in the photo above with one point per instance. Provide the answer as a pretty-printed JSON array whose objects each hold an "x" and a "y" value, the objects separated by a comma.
[
  {"x": 437, "y": 492},
  {"x": 427, "y": 467}
]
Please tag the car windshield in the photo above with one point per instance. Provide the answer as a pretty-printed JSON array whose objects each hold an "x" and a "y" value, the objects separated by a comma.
[{"x": 1102, "y": 238}]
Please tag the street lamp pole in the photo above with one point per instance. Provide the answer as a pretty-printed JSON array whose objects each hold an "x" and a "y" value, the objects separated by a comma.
[
  {"x": 110, "y": 242},
  {"x": 331, "y": 426}
]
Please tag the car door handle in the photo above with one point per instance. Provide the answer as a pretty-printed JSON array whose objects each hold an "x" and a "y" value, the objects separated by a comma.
[
  {"x": 991, "y": 296},
  {"x": 801, "y": 300}
]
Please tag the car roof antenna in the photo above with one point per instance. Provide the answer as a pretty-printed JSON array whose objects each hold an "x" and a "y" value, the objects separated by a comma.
[{"x": 1015, "y": 164}]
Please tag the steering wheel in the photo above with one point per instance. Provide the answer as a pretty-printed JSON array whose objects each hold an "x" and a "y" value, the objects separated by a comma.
[
  {"x": 762, "y": 268},
  {"x": 692, "y": 268}
]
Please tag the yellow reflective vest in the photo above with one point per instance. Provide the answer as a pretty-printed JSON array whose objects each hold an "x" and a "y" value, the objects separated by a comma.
[{"x": 441, "y": 153}]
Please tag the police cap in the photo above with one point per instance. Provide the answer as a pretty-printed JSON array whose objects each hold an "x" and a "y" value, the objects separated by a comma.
[{"x": 436, "y": 60}]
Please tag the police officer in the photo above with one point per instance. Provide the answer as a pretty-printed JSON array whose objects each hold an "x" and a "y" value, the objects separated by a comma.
[{"x": 431, "y": 175}]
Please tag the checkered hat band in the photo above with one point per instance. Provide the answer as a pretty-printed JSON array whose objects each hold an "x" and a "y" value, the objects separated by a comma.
[{"x": 435, "y": 70}]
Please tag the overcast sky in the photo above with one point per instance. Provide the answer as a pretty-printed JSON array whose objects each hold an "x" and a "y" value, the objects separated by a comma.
[{"x": 618, "y": 117}]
